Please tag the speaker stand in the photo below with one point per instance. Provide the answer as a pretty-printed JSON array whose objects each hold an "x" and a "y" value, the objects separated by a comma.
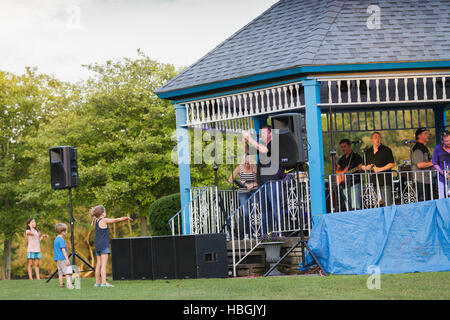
[
  {"x": 74, "y": 253},
  {"x": 303, "y": 241}
]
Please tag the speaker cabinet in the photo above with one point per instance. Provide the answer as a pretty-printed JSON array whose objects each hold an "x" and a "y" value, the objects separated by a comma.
[
  {"x": 293, "y": 146},
  {"x": 212, "y": 258},
  {"x": 186, "y": 262},
  {"x": 141, "y": 258},
  {"x": 63, "y": 167},
  {"x": 170, "y": 257},
  {"x": 201, "y": 256},
  {"x": 121, "y": 259},
  {"x": 164, "y": 257}
]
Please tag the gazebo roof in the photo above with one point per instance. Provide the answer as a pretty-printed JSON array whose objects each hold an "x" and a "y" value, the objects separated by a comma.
[{"x": 295, "y": 33}]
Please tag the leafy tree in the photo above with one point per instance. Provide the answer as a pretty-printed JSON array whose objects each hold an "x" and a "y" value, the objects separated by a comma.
[{"x": 122, "y": 132}]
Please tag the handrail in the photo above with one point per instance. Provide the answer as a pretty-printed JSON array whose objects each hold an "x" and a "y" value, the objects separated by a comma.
[{"x": 170, "y": 221}]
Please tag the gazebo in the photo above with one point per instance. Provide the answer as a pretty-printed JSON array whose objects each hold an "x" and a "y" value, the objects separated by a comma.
[{"x": 344, "y": 66}]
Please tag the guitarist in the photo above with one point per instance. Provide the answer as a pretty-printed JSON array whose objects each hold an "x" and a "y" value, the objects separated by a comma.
[{"x": 349, "y": 184}]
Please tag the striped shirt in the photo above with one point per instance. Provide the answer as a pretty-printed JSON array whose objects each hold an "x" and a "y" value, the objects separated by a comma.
[{"x": 247, "y": 177}]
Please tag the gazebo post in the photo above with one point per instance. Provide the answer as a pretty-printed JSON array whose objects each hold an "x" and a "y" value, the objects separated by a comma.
[
  {"x": 184, "y": 160},
  {"x": 315, "y": 153},
  {"x": 440, "y": 121}
]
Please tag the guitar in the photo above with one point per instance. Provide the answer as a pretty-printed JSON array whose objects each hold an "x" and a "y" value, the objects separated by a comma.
[{"x": 340, "y": 174}]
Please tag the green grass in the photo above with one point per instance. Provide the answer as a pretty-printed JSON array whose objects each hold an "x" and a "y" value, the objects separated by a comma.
[{"x": 393, "y": 286}]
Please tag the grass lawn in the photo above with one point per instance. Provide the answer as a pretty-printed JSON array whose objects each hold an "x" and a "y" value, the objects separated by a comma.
[{"x": 428, "y": 286}]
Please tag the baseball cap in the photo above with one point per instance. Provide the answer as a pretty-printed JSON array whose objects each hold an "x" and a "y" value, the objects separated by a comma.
[{"x": 420, "y": 130}]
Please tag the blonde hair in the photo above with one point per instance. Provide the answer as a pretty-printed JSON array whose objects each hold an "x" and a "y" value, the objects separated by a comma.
[
  {"x": 60, "y": 228},
  {"x": 96, "y": 212}
]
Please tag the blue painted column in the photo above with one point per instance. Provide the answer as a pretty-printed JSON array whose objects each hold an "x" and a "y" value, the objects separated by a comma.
[
  {"x": 440, "y": 121},
  {"x": 315, "y": 153},
  {"x": 184, "y": 164}
]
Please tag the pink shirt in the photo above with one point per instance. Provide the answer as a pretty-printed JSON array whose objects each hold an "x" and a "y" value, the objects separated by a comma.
[{"x": 33, "y": 241}]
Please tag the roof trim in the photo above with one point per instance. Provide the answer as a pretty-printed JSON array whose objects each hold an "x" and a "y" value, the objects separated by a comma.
[{"x": 303, "y": 70}]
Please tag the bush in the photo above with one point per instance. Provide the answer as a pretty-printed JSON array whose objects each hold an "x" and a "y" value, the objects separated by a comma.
[{"x": 161, "y": 211}]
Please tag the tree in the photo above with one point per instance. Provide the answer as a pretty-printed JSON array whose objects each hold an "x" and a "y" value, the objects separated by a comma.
[{"x": 122, "y": 132}]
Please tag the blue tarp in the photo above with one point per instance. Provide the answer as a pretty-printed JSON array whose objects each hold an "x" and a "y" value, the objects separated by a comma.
[{"x": 396, "y": 239}]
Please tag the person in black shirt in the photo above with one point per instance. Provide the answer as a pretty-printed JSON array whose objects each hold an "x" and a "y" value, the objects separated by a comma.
[
  {"x": 268, "y": 170},
  {"x": 379, "y": 159},
  {"x": 421, "y": 161},
  {"x": 349, "y": 184}
]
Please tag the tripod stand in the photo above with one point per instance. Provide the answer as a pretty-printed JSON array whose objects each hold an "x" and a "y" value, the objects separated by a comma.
[
  {"x": 74, "y": 253},
  {"x": 303, "y": 241}
]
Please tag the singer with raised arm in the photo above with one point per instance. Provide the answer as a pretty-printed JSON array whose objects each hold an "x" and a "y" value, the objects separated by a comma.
[
  {"x": 379, "y": 159},
  {"x": 441, "y": 161},
  {"x": 421, "y": 163},
  {"x": 348, "y": 179},
  {"x": 268, "y": 170}
]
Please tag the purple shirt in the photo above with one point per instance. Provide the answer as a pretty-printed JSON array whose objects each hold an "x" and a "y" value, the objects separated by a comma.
[{"x": 441, "y": 158}]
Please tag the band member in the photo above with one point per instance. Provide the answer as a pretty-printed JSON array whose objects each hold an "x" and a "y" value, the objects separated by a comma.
[
  {"x": 441, "y": 161},
  {"x": 379, "y": 159},
  {"x": 268, "y": 170},
  {"x": 349, "y": 184},
  {"x": 421, "y": 161}
]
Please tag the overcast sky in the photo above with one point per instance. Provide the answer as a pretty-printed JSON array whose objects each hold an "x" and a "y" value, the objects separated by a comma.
[{"x": 58, "y": 36}]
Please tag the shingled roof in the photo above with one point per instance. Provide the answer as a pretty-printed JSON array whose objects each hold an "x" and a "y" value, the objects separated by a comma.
[{"x": 295, "y": 33}]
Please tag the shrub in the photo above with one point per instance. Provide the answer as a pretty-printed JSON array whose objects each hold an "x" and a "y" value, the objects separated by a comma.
[{"x": 161, "y": 211}]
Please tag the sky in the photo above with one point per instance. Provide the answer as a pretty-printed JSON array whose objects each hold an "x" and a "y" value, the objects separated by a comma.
[{"x": 59, "y": 36}]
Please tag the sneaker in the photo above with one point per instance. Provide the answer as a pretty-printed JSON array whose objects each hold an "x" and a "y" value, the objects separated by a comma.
[
  {"x": 96, "y": 284},
  {"x": 107, "y": 285},
  {"x": 70, "y": 286}
]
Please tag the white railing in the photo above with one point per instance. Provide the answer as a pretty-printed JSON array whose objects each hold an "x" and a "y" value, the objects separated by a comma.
[
  {"x": 245, "y": 104},
  {"x": 386, "y": 89},
  {"x": 372, "y": 190},
  {"x": 208, "y": 211},
  {"x": 176, "y": 222}
]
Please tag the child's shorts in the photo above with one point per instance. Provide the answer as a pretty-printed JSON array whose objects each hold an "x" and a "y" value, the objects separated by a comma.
[
  {"x": 100, "y": 252},
  {"x": 63, "y": 269},
  {"x": 34, "y": 255}
]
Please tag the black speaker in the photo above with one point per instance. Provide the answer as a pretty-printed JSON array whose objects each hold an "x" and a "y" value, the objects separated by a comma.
[
  {"x": 212, "y": 257},
  {"x": 291, "y": 130},
  {"x": 186, "y": 262},
  {"x": 170, "y": 257},
  {"x": 163, "y": 254},
  {"x": 141, "y": 258},
  {"x": 201, "y": 256},
  {"x": 63, "y": 167},
  {"x": 121, "y": 258}
]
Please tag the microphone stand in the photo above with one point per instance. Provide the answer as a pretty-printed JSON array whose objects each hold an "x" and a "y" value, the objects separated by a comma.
[{"x": 369, "y": 191}]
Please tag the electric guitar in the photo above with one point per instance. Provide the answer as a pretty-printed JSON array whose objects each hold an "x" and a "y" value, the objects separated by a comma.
[{"x": 340, "y": 174}]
